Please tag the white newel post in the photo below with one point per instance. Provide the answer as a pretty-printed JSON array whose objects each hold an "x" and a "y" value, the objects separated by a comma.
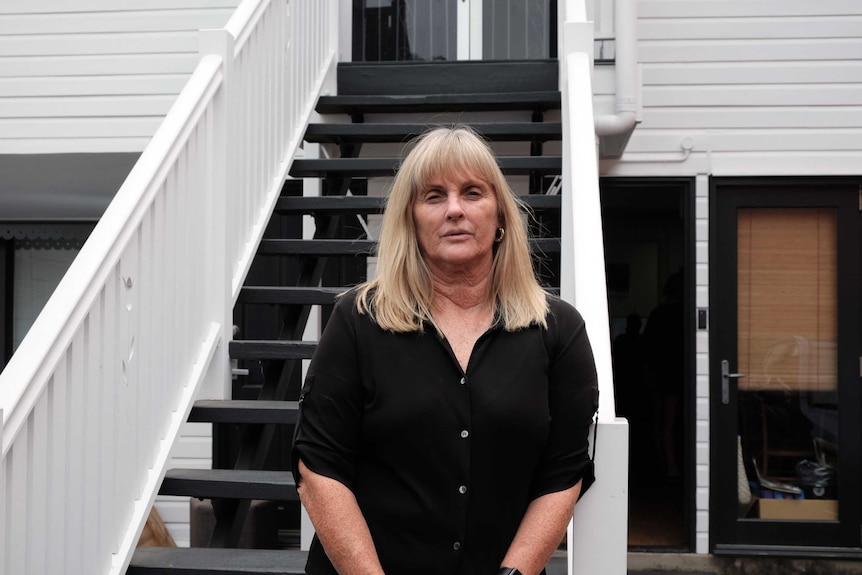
[
  {"x": 217, "y": 384},
  {"x": 598, "y": 534}
]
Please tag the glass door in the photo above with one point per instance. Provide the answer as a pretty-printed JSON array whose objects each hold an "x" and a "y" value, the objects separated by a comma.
[
  {"x": 444, "y": 30},
  {"x": 785, "y": 364}
]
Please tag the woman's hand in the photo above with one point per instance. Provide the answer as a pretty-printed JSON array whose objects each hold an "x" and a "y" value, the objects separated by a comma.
[
  {"x": 541, "y": 531},
  {"x": 339, "y": 524}
]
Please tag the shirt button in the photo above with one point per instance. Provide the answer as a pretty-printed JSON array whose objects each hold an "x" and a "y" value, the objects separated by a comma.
[
  {"x": 463, "y": 380},
  {"x": 464, "y": 434},
  {"x": 456, "y": 546},
  {"x": 462, "y": 490}
]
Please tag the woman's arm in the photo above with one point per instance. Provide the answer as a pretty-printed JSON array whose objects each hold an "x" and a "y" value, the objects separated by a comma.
[
  {"x": 339, "y": 524},
  {"x": 541, "y": 531}
]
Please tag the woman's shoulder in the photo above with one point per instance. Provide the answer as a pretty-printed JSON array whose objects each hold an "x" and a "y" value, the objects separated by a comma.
[
  {"x": 563, "y": 313},
  {"x": 347, "y": 299},
  {"x": 346, "y": 315},
  {"x": 567, "y": 332},
  {"x": 356, "y": 306}
]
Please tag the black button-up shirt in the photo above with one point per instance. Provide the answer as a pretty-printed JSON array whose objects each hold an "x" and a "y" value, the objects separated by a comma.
[{"x": 443, "y": 463}]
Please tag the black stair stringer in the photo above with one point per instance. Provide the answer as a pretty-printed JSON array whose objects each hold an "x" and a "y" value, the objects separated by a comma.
[{"x": 256, "y": 441}]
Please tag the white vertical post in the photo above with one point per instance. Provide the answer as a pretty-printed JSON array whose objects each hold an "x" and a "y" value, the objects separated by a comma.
[
  {"x": 462, "y": 40},
  {"x": 598, "y": 533},
  {"x": 476, "y": 32},
  {"x": 217, "y": 384},
  {"x": 340, "y": 27},
  {"x": 3, "y": 491}
]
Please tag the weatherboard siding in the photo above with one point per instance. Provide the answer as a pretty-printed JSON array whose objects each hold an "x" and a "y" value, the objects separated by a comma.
[
  {"x": 95, "y": 75},
  {"x": 772, "y": 87}
]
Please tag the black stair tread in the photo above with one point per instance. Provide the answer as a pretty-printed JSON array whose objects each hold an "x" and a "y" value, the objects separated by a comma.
[
  {"x": 230, "y": 483},
  {"x": 369, "y": 167},
  {"x": 317, "y": 247},
  {"x": 493, "y": 101},
  {"x": 213, "y": 561},
  {"x": 330, "y": 204},
  {"x": 271, "y": 349},
  {"x": 244, "y": 411},
  {"x": 448, "y": 76},
  {"x": 289, "y": 295},
  {"x": 376, "y": 204},
  {"x": 382, "y": 132},
  {"x": 357, "y": 247}
]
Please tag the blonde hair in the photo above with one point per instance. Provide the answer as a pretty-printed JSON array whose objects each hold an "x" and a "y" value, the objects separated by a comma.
[{"x": 399, "y": 297}]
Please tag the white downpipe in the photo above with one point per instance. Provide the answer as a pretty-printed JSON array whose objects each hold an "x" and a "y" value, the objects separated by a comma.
[{"x": 624, "y": 118}]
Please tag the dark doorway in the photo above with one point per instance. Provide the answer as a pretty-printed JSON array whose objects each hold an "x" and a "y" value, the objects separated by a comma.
[{"x": 649, "y": 258}]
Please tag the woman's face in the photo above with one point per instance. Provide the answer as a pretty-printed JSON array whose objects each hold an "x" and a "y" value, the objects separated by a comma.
[{"x": 456, "y": 219}]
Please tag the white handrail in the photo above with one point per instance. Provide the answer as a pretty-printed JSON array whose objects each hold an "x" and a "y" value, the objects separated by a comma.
[
  {"x": 94, "y": 389},
  {"x": 92, "y": 400},
  {"x": 50, "y": 334}
]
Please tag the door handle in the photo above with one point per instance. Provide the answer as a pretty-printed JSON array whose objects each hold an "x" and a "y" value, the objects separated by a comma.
[{"x": 726, "y": 376}]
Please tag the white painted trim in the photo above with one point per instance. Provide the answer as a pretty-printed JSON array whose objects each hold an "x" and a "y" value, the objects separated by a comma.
[
  {"x": 463, "y": 31},
  {"x": 476, "y": 28},
  {"x": 625, "y": 115}
]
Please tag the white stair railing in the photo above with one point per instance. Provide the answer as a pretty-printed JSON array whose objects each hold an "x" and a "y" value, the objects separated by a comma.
[
  {"x": 93, "y": 399},
  {"x": 598, "y": 533}
]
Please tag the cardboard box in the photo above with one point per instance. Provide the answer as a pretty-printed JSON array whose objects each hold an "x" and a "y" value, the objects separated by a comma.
[{"x": 799, "y": 509}]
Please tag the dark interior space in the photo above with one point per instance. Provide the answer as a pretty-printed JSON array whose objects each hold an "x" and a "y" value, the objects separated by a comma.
[{"x": 645, "y": 231}]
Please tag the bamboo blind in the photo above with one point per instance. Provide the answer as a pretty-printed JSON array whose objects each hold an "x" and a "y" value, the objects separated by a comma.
[{"x": 787, "y": 298}]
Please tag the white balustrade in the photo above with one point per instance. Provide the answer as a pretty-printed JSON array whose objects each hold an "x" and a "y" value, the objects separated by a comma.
[{"x": 93, "y": 399}]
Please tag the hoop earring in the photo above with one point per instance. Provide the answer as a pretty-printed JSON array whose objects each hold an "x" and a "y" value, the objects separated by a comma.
[{"x": 501, "y": 232}]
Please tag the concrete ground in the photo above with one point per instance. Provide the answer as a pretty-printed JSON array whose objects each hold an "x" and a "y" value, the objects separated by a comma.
[{"x": 693, "y": 564}]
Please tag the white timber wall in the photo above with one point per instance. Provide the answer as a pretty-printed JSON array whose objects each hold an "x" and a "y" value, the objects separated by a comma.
[
  {"x": 772, "y": 87},
  {"x": 755, "y": 88},
  {"x": 95, "y": 75}
]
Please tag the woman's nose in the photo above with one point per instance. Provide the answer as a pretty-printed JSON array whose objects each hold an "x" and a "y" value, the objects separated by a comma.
[{"x": 454, "y": 209}]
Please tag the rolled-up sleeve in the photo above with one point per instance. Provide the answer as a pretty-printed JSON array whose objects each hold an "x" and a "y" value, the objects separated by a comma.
[
  {"x": 327, "y": 431},
  {"x": 573, "y": 401}
]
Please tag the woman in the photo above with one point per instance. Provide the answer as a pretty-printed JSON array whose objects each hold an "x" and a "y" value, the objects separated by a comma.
[{"x": 444, "y": 417}]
